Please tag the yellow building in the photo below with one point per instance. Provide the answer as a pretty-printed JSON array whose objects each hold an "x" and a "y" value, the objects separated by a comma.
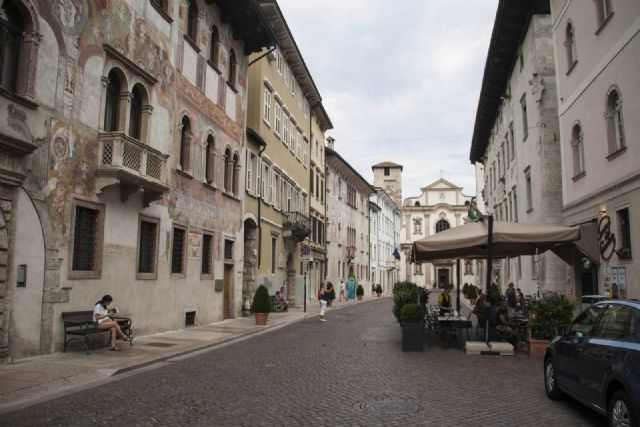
[{"x": 285, "y": 122}]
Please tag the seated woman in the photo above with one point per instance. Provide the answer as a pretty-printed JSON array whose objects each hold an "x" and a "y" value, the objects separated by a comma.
[
  {"x": 444, "y": 301},
  {"x": 101, "y": 320}
]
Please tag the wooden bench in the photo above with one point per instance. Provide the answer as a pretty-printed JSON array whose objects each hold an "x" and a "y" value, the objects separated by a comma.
[{"x": 78, "y": 325}]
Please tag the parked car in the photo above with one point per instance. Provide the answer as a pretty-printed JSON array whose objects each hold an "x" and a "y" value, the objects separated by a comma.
[{"x": 597, "y": 362}]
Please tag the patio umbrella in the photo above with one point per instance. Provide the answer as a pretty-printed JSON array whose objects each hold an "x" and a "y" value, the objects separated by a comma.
[{"x": 508, "y": 239}]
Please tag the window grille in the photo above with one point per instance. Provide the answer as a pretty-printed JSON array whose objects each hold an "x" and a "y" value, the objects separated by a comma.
[
  {"x": 190, "y": 318},
  {"x": 228, "y": 249},
  {"x": 147, "y": 254},
  {"x": 177, "y": 256},
  {"x": 85, "y": 239},
  {"x": 206, "y": 253}
]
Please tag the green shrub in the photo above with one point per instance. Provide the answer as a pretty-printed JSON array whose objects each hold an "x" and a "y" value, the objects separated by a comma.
[
  {"x": 378, "y": 289},
  {"x": 261, "y": 301},
  {"x": 465, "y": 289},
  {"x": 410, "y": 313},
  {"x": 403, "y": 293},
  {"x": 472, "y": 292},
  {"x": 546, "y": 315},
  {"x": 359, "y": 290}
]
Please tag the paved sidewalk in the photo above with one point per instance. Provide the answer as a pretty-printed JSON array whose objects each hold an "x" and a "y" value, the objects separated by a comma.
[{"x": 38, "y": 379}]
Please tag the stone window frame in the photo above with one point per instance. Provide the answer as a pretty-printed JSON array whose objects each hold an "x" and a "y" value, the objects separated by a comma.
[
  {"x": 191, "y": 27},
  {"x": 577, "y": 151},
  {"x": 185, "y": 143},
  {"x": 209, "y": 158},
  {"x": 570, "y": 46},
  {"x": 210, "y": 275},
  {"x": 96, "y": 272},
  {"x": 233, "y": 70},
  {"x": 27, "y": 63},
  {"x": 528, "y": 188},
  {"x": 162, "y": 7},
  {"x": 183, "y": 271},
  {"x": 614, "y": 123},
  {"x": 525, "y": 118},
  {"x": 440, "y": 224},
  {"x": 214, "y": 49},
  {"x": 604, "y": 12},
  {"x": 131, "y": 76},
  {"x": 154, "y": 274}
]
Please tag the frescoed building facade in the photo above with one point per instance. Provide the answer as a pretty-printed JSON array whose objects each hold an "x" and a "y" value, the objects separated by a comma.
[{"x": 122, "y": 127}]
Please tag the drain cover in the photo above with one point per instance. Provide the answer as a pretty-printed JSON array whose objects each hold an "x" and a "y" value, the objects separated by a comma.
[
  {"x": 391, "y": 406},
  {"x": 160, "y": 344}
]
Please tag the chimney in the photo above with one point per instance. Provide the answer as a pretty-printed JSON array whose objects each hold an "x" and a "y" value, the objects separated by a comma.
[{"x": 330, "y": 143}]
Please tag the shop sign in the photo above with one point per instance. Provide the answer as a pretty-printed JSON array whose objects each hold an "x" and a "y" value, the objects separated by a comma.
[{"x": 606, "y": 238}]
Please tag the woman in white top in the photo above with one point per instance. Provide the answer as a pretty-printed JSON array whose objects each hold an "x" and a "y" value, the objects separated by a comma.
[{"x": 101, "y": 320}]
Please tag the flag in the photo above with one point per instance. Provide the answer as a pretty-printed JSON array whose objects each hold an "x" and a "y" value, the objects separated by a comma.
[{"x": 396, "y": 254}]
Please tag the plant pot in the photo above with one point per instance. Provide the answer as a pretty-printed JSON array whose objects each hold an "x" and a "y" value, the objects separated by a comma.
[
  {"x": 359, "y": 297},
  {"x": 412, "y": 336},
  {"x": 537, "y": 347},
  {"x": 261, "y": 318}
]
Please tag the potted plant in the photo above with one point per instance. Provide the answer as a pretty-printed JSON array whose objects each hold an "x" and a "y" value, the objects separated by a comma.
[
  {"x": 546, "y": 316},
  {"x": 624, "y": 252},
  {"x": 378, "y": 290},
  {"x": 403, "y": 293},
  {"x": 465, "y": 289},
  {"x": 412, "y": 328},
  {"x": 261, "y": 305},
  {"x": 359, "y": 292},
  {"x": 472, "y": 294}
]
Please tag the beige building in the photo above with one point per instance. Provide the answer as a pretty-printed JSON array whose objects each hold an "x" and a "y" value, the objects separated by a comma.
[
  {"x": 347, "y": 222},
  {"x": 122, "y": 130},
  {"x": 596, "y": 50},
  {"x": 516, "y": 137},
  {"x": 285, "y": 122}
]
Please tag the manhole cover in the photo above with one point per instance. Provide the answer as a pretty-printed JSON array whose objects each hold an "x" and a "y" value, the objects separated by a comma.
[
  {"x": 391, "y": 406},
  {"x": 160, "y": 344}
]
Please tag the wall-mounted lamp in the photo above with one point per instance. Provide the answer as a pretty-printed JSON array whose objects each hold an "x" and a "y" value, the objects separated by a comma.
[{"x": 603, "y": 210}]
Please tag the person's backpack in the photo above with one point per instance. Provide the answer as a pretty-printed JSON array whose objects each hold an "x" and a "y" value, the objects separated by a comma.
[{"x": 319, "y": 294}]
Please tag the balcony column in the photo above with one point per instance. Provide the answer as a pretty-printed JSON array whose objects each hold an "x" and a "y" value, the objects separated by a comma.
[
  {"x": 145, "y": 123},
  {"x": 103, "y": 100},
  {"x": 124, "y": 108}
]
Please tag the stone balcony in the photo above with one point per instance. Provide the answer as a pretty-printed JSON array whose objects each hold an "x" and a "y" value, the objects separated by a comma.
[
  {"x": 297, "y": 224},
  {"x": 132, "y": 165},
  {"x": 351, "y": 252}
]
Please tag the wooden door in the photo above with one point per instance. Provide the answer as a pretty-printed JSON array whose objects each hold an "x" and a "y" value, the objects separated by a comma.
[{"x": 227, "y": 310}]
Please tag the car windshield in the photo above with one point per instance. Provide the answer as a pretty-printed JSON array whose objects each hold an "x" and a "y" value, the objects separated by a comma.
[{"x": 585, "y": 321}]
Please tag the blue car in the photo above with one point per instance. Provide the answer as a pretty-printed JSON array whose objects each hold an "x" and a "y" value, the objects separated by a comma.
[{"x": 597, "y": 362}]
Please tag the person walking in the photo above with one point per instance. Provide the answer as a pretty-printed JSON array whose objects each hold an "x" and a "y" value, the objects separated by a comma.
[
  {"x": 322, "y": 299},
  {"x": 342, "y": 290}
]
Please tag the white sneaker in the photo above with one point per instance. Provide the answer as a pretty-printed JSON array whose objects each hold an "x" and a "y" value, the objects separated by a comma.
[{"x": 323, "y": 320}]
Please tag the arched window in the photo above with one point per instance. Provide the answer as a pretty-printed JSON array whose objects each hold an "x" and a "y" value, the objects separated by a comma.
[
  {"x": 227, "y": 169},
  {"x": 442, "y": 225},
  {"x": 185, "y": 144},
  {"x": 577, "y": 148},
  {"x": 416, "y": 204},
  {"x": 111, "y": 101},
  {"x": 192, "y": 21},
  {"x": 214, "y": 49},
  {"x": 615, "y": 126},
  {"x": 570, "y": 45},
  {"x": 233, "y": 64},
  {"x": 135, "y": 115},
  {"x": 236, "y": 172},
  {"x": 11, "y": 30},
  {"x": 210, "y": 159}
]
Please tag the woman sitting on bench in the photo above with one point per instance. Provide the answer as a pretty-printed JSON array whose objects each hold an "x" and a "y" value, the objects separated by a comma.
[{"x": 101, "y": 320}]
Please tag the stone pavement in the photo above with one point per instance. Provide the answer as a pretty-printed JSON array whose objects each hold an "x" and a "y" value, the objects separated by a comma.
[
  {"x": 41, "y": 378},
  {"x": 347, "y": 371}
]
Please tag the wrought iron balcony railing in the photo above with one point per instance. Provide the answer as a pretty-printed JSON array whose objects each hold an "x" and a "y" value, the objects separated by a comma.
[{"x": 298, "y": 223}]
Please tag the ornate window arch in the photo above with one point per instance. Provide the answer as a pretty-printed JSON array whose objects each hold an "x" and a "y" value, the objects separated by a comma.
[
  {"x": 138, "y": 120},
  {"x": 19, "y": 40},
  {"x": 115, "y": 84},
  {"x": 236, "y": 173},
  {"x": 442, "y": 225},
  {"x": 233, "y": 66},
  {"x": 214, "y": 49},
  {"x": 615, "y": 124},
  {"x": 570, "y": 45},
  {"x": 227, "y": 169},
  {"x": 185, "y": 144},
  {"x": 577, "y": 148},
  {"x": 210, "y": 159}
]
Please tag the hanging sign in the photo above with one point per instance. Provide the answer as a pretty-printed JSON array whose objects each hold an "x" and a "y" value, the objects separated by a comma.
[{"x": 606, "y": 238}]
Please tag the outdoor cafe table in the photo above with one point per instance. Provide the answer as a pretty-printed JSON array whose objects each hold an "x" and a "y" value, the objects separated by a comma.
[{"x": 453, "y": 324}]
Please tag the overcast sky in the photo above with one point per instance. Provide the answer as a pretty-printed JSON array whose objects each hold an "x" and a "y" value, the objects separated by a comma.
[{"x": 400, "y": 80}]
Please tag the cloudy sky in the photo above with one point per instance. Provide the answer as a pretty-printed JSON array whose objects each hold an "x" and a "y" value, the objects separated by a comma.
[{"x": 400, "y": 80}]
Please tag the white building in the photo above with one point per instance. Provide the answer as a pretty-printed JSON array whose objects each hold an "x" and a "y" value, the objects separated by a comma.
[
  {"x": 384, "y": 236},
  {"x": 347, "y": 237},
  {"x": 516, "y": 139},
  {"x": 597, "y": 62},
  {"x": 440, "y": 206}
]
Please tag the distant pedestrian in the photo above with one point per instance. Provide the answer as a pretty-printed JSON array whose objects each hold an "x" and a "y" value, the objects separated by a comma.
[
  {"x": 322, "y": 299},
  {"x": 512, "y": 299},
  {"x": 342, "y": 290}
]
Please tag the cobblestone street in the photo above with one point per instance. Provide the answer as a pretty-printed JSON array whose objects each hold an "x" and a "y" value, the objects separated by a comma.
[{"x": 340, "y": 372}]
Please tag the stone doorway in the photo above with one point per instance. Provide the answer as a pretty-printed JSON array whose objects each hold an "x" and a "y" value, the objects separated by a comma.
[{"x": 250, "y": 263}]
